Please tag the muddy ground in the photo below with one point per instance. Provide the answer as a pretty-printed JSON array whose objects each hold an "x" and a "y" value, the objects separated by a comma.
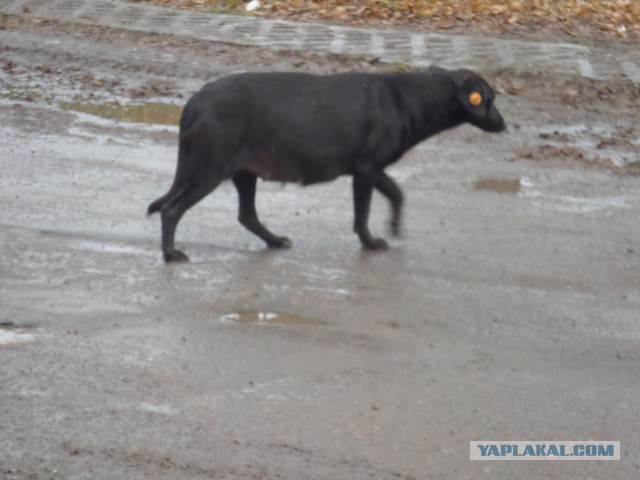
[{"x": 509, "y": 309}]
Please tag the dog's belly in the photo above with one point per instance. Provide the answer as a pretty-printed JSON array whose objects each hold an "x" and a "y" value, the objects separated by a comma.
[{"x": 295, "y": 169}]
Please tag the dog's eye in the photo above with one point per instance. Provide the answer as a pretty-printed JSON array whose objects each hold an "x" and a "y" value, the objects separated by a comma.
[{"x": 475, "y": 98}]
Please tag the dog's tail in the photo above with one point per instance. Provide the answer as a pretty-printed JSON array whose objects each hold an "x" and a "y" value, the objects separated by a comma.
[{"x": 157, "y": 205}]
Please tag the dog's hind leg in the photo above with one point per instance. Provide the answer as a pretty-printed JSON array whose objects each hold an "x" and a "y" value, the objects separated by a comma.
[
  {"x": 387, "y": 187},
  {"x": 245, "y": 183},
  {"x": 364, "y": 180},
  {"x": 186, "y": 197}
]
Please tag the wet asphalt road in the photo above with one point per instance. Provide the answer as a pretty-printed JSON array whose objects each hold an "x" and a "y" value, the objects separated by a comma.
[{"x": 498, "y": 315}]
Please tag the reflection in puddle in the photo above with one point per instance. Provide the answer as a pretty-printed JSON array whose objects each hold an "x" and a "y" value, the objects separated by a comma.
[
  {"x": 150, "y": 112},
  {"x": 158, "y": 408},
  {"x": 9, "y": 334},
  {"x": 268, "y": 318},
  {"x": 499, "y": 185}
]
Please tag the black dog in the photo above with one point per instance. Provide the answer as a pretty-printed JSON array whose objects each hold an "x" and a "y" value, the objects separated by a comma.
[{"x": 295, "y": 127}]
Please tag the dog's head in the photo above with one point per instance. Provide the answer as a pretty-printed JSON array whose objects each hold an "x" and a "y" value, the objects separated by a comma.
[{"x": 478, "y": 101}]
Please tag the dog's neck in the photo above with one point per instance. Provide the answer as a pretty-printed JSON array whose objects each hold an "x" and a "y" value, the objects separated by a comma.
[{"x": 435, "y": 113}]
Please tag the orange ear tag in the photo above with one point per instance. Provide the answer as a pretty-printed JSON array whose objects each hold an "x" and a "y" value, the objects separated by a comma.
[{"x": 475, "y": 98}]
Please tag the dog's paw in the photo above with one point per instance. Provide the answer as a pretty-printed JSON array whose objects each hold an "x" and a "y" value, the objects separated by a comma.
[
  {"x": 175, "y": 256},
  {"x": 280, "y": 242},
  {"x": 375, "y": 244}
]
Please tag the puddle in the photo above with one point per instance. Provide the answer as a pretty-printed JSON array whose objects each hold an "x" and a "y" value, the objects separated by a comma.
[
  {"x": 269, "y": 318},
  {"x": 150, "y": 112},
  {"x": 158, "y": 408},
  {"x": 109, "y": 248},
  {"x": 499, "y": 185},
  {"x": 154, "y": 113},
  {"x": 9, "y": 334}
]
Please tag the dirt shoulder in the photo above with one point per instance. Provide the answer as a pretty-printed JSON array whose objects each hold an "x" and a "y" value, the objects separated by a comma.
[{"x": 570, "y": 94}]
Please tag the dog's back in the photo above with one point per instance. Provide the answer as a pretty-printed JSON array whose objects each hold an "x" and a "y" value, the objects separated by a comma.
[{"x": 288, "y": 127}]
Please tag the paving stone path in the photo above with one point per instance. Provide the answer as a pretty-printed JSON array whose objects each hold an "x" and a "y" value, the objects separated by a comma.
[{"x": 389, "y": 45}]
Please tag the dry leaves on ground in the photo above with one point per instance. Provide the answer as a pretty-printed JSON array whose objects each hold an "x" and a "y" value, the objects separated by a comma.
[{"x": 614, "y": 18}]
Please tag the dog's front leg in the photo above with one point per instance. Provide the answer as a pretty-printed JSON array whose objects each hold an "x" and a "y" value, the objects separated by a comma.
[
  {"x": 364, "y": 180},
  {"x": 387, "y": 187}
]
